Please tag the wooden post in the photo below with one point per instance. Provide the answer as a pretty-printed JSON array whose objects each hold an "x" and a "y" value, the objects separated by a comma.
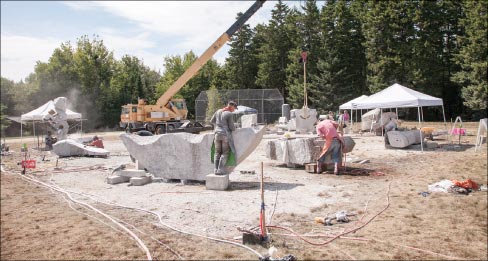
[{"x": 263, "y": 216}]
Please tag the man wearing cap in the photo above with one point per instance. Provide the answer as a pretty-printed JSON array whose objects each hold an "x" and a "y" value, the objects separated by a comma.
[{"x": 223, "y": 122}]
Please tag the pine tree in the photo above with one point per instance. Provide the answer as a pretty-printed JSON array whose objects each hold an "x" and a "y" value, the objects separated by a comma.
[
  {"x": 341, "y": 69},
  {"x": 241, "y": 67},
  {"x": 305, "y": 37},
  {"x": 473, "y": 56},
  {"x": 273, "y": 53},
  {"x": 388, "y": 30}
]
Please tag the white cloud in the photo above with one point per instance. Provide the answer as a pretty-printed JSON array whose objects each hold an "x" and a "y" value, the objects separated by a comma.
[
  {"x": 162, "y": 28},
  {"x": 196, "y": 24},
  {"x": 20, "y": 54}
]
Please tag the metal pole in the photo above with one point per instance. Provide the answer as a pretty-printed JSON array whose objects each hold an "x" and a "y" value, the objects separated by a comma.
[
  {"x": 420, "y": 129},
  {"x": 305, "y": 105},
  {"x": 21, "y": 130}
]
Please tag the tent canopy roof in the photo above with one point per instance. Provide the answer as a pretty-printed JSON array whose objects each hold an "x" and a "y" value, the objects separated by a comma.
[
  {"x": 348, "y": 105},
  {"x": 39, "y": 113},
  {"x": 397, "y": 96}
]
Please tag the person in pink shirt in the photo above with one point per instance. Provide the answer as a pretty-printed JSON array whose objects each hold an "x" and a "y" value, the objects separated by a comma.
[
  {"x": 96, "y": 142},
  {"x": 345, "y": 116},
  {"x": 327, "y": 130}
]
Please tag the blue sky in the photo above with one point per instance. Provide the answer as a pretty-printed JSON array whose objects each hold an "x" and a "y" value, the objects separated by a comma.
[{"x": 150, "y": 30}]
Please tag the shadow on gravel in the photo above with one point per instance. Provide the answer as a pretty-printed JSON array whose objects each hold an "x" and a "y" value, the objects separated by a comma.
[{"x": 267, "y": 185}]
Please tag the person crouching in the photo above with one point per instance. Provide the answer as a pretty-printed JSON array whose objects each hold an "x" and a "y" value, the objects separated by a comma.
[{"x": 327, "y": 130}]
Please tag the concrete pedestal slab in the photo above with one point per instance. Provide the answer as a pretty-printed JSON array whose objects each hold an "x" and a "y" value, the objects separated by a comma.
[
  {"x": 117, "y": 179},
  {"x": 132, "y": 173},
  {"x": 139, "y": 181},
  {"x": 217, "y": 182}
]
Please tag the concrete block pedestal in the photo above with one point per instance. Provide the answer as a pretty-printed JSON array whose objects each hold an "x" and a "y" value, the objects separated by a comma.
[
  {"x": 217, "y": 182},
  {"x": 139, "y": 181},
  {"x": 131, "y": 173},
  {"x": 117, "y": 179}
]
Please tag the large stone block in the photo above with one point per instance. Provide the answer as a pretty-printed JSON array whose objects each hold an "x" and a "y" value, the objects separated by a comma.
[
  {"x": 249, "y": 120},
  {"x": 402, "y": 139},
  {"x": 117, "y": 179},
  {"x": 132, "y": 173},
  {"x": 305, "y": 119},
  {"x": 186, "y": 155},
  {"x": 300, "y": 150},
  {"x": 217, "y": 182},
  {"x": 139, "y": 181},
  {"x": 291, "y": 151},
  {"x": 69, "y": 148}
]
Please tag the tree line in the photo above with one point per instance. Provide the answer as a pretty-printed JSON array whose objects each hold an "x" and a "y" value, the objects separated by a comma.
[{"x": 353, "y": 47}]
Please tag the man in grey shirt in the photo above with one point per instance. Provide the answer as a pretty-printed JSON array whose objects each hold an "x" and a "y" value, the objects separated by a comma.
[{"x": 223, "y": 122}]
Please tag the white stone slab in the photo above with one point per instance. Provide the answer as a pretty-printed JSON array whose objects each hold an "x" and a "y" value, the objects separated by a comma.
[
  {"x": 132, "y": 173},
  {"x": 305, "y": 119},
  {"x": 117, "y": 179},
  {"x": 217, "y": 182},
  {"x": 186, "y": 155},
  {"x": 402, "y": 139},
  {"x": 139, "y": 181},
  {"x": 249, "y": 120},
  {"x": 68, "y": 147}
]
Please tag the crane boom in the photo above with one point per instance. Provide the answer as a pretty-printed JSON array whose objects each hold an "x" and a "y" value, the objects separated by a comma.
[{"x": 208, "y": 54}]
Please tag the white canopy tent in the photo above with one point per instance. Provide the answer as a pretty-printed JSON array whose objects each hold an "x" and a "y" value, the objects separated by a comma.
[
  {"x": 398, "y": 96},
  {"x": 39, "y": 114},
  {"x": 348, "y": 106}
]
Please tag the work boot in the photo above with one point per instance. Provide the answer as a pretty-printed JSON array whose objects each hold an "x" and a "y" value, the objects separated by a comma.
[
  {"x": 336, "y": 169},
  {"x": 221, "y": 166},
  {"x": 220, "y": 172},
  {"x": 319, "y": 167}
]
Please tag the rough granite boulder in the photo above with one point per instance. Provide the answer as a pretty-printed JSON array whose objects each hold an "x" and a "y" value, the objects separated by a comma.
[
  {"x": 186, "y": 156},
  {"x": 300, "y": 151},
  {"x": 403, "y": 139},
  {"x": 70, "y": 148}
]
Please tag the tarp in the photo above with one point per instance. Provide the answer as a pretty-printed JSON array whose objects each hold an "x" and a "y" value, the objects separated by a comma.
[
  {"x": 397, "y": 96},
  {"x": 245, "y": 110},
  {"x": 39, "y": 113},
  {"x": 348, "y": 105}
]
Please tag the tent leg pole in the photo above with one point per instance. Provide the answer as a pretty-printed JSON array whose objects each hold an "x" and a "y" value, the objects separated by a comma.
[
  {"x": 444, "y": 116},
  {"x": 381, "y": 122},
  {"x": 420, "y": 130}
]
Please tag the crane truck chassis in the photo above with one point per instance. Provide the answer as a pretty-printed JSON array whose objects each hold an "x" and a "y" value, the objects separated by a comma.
[{"x": 170, "y": 114}]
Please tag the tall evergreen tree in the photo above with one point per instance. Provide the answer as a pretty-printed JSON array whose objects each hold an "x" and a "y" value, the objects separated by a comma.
[
  {"x": 241, "y": 67},
  {"x": 473, "y": 56},
  {"x": 341, "y": 69},
  {"x": 274, "y": 52},
  {"x": 389, "y": 31},
  {"x": 305, "y": 38},
  {"x": 434, "y": 46}
]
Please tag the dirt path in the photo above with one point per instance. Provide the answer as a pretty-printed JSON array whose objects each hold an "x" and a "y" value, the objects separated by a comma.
[{"x": 392, "y": 220}]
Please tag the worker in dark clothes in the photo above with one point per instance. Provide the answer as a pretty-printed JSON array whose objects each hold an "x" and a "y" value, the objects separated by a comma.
[{"x": 223, "y": 121}]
